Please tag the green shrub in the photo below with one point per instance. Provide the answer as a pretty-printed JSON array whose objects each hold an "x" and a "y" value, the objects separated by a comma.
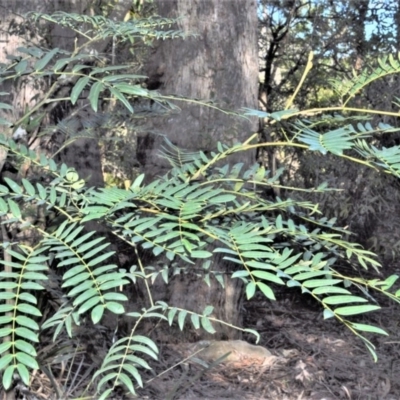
[{"x": 178, "y": 216}]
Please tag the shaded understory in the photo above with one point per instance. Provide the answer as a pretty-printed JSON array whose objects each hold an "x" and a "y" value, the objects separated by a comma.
[{"x": 315, "y": 360}]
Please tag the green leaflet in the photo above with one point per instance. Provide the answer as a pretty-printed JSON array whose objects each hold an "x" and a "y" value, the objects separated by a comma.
[
  {"x": 195, "y": 321},
  {"x": 268, "y": 276},
  {"x": 42, "y": 63},
  {"x": 313, "y": 283},
  {"x": 368, "y": 328},
  {"x": 250, "y": 290},
  {"x": 78, "y": 88},
  {"x": 181, "y": 318},
  {"x": 343, "y": 299},
  {"x": 330, "y": 289},
  {"x": 207, "y": 326},
  {"x": 94, "y": 93},
  {"x": 115, "y": 307},
  {"x": 119, "y": 96},
  {"x": 200, "y": 254},
  {"x": 354, "y": 310},
  {"x": 266, "y": 290}
]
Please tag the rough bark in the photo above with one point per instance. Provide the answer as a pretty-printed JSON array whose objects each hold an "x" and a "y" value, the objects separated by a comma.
[
  {"x": 84, "y": 154},
  {"x": 360, "y": 10},
  {"x": 220, "y": 63}
]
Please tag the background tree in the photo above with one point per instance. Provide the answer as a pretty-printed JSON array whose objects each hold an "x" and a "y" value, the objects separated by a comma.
[
  {"x": 209, "y": 207},
  {"x": 344, "y": 37},
  {"x": 196, "y": 67}
]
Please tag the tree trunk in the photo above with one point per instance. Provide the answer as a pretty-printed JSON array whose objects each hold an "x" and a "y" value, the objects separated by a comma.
[
  {"x": 220, "y": 64},
  {"x": 360, "y": 11},
  {"x": 83, "y": 154}
]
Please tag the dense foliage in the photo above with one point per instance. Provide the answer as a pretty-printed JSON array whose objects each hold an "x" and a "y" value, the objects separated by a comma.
[
  {"x": 202, "y": 201},
  {"x": 346, "y": 37}
]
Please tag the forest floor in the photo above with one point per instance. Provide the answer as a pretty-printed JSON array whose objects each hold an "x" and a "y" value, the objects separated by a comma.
[{"x": 316, "y": 359}]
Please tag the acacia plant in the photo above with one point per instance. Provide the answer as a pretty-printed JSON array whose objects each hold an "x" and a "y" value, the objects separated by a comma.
[{"x": 175, "y": 217}]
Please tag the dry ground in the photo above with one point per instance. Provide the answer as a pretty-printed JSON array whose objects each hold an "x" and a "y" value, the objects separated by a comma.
[{"x": 317, "y": 360}]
